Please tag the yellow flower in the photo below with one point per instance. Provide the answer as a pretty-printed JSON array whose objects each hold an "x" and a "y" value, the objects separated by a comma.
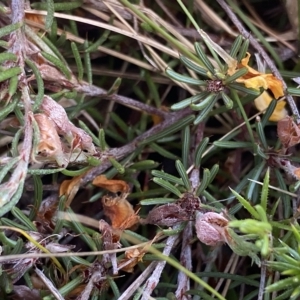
[
  {"x": 256, "y": 80},
  {"x": 253, "y": 79},
  {"x": 263, "y": 101}
]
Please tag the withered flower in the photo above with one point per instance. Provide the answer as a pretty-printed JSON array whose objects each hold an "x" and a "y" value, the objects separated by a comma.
[
  {"x": 189, "y": 203},
  {"x": 49, "y": 142},
  {"x": 166, "y": 215},
  {"x": 173, "y": 213},
  {"x": 77, "y": 137},
  {"x": 211, "y": 228},
  {"x": 111, "y": 185},
  {"x": 288, "y": 132},
  {"x": 132, "y": 258},
  {"x": 45, "y": 218},
  {"x": 119, "y": 211}
]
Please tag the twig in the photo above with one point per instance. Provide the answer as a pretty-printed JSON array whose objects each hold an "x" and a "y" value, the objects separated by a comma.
[
  {"x": 263, "y": 53},
  {"x": 183, "y": 281},
  {"x": 95, "y": 278},
  {"x": 119, "y": 153},
  {"x": 19, "y": 44},
  {"x": 11, "y": 189},
  {"x": 153, "y": 280},
  {"x": 233, "y": 263},
  {"x": 94, "y": 91},
  {"x": 262, "y": 280},
  {"x": 49, "y": 284},
  {"x": 138, "y": 282}
]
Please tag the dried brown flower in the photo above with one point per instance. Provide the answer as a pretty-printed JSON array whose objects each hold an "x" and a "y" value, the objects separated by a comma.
[
  {"x": 166, "y": 215},
  {"x": 111, "y": 185},
  {"x": 288, "y": 132},
  {"x": 49, "y": 142},
  {"x": 119, "y": 211},
  {"x": 189, "y": 203},
  {"x": 211, "y": 228},
  {"x": 77, "y": 137}
]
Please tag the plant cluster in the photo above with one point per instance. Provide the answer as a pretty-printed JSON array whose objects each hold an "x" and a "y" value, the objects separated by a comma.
[{"x": 141, "y": 156}]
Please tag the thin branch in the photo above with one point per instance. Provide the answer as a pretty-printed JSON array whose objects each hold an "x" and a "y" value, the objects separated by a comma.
[
  {"x": 263, "y": 53},
  {"x": 153, "y": 280},
  {"x": 121, "y": 152},
  {"x": 138, "y": 282},
  {"x": 183, "y": 281},
  {"x": 262, "y": 282},
  {"x": 49, "y": 284},
  {"x": 10, "y": 189},
  {"x": 17, "y": 37},
  {"x": 94, "y": 91}
]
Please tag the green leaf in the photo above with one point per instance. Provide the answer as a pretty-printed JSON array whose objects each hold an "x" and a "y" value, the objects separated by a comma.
[
  {"x": 246, "y": 204},
  {"x": 200, "y": 150},
  {"x": 200, "y": 106},
  {"x": 183, "y": 78},
  {"x": 204, "y": 113},
  {"x": 186, "y": 145},
  {"x": 40, "y": 84},
  {"x": 232, "y": 145},
  {"x": 187, "y": 102},
  {"x": 159, "y": 201},
  {"x": 115, "y": 86},
  {"x": 11, "y": 72},
  {"x": 144, "y": 165},
  {"x": 236, "y": 46},
  {"x": 9, "y": 29},
  {"x": 78, "y": 228},
  {"x": 265, "y": 191},
  {"x": 268, "y": 113},
  {"x": 8, "y": 166},
  {"x": 58, "y": 6},
  {"x": 283, "y": 284},
  {"x": 162, "y": 151},
  {"x": 117, "y": 165},
  {"x": 243, "y": 50},
  {"x": 13, "y": 85},
  {"x": 204, "y": 182},
  {"x": 168, "y": 177},
  {"x": 77, "y": 59},
  {"x": 168, "y": 186},
  {"x": 50, "y": 14},
  {"x": 201, "y": 54},
  {"x": 241, "y": 88},
  {"x": 193, "y": 66},
  {"x": 19, "y": 215},
  {"x": 213, "y": 172},
  {"x": 228, "y": 102},
  {"x": 182, "y": 172},
  {"x": 171, "y": 129},
  {"x": 58, "y": 63},
  {"x": 7, "y": 56},
  {"x": 241, "y": 72}
]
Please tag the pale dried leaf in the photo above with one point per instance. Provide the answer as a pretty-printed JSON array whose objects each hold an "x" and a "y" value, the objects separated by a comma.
[{"x": 75, "y": 136}]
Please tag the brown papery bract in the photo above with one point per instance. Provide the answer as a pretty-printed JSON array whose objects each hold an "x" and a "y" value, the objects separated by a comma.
[
  {"x": 49, "y": 142},
  {"x": 111, "y": 185},
  {"x": 288, "y": 132},
  {"x": 45, "y": 218},
  {"x": 120, "y": 212},
  {"x": 77, "y": 137},
  {"x": 69, "y": 188},
  {"x": 166, "y": 215}
]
